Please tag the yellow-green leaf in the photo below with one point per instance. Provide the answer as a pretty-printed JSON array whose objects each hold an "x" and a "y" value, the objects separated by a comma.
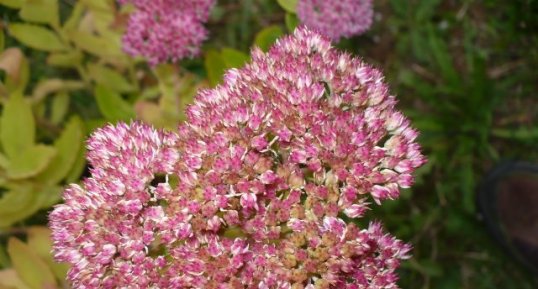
[
  {"x": 30, "y": 161},
  {"x": 2, "y": 40},
  {"x": 14, "y": 205},
  {"x": 109, "y": 78},
  {"x": 40, "y": 11},
  {"x": 288, "y": 5},
  {"x": 37, "y": 37},
  {"x": 268, "y": 36},
  {"x": 112, "y": 105},
  {"x": 102, "y": 5},
  {"x": 94, "y": 44},
  {"x": 291, "y": 21},
  {"x": 74, "y": 19},
  {"x": 32, "y": 269},
  {"x": 68, "y": 59},
  {"x": 4, "y": 162},
  {"x": 21, "y": 200},
  {"x": 12, "y": 3},
  {"x": 15, "y": 200},
  {"x": 13, "y": 62},
  {"x": 40, "y": 240},
  {"x": 215, "y": 67},
  {"x": 48, "y": 86},
  {"x": 17, "y": 126},
  {"x": 10, "y": 280},
  {"x": 67, "y": 146},
  {"x": 48, "y": 196},
  {"x": 79, "y": 165},
  {"x": 59, "y": 107},
  {"x": 234, "y": 58}
]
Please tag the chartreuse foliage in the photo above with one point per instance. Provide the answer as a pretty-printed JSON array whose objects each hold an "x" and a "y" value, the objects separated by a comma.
[
  {"x": 32, "y": 263},
  {"x": 85, "y": 46},
  {"x": 31, "y": 171}
]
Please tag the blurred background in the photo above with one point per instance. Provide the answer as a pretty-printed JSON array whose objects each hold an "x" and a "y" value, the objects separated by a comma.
[{"x": 463, "y": 71}]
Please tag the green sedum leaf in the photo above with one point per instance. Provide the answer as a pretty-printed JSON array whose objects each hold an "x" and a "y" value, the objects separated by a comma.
[
  {"x": 68, "y": 146},
  {"x": 109, "y": 78},
  {"x": 215, "y": 67},
  {"x": 268, "y": 36},
  {"x": 11, "y": 280},
  {"x": 37, "y": 37},
  {"x": 68, "y": 59},
  {"x": 289, "y": 5},
  {"x": 291, "y": 21},
  {"x": 95, "y": 45},
  {"x": 13, "y": 62},
  {"x": 234, "y": 58},
  {"x": 32, "y": 269},
  {"x": 14, "y": 205},
  {"x": 39, "y": 239},
  {"x": 59, "y": 107},
  {"x": 30, "y": 161},
  {"x": 112, "y": 105},
  {"x": 2, "y": 40},
  {"x": 12, "y": 3},
  {"x": 40, "y": 11},
  {"x": 17, "y": 126}
]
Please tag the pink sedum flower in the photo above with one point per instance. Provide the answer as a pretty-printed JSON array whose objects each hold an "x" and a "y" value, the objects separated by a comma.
[
  {"x": 336, "y": 18},
  {"x": 166, "y": 30},
  {"x": 260, "y": 187}
]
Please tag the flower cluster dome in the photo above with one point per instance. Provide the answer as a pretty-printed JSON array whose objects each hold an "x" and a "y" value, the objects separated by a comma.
[
  {"x": 336, "y": 18},
  {"x": 259, "y": 188},
  {"x": 166, "y": 30}
]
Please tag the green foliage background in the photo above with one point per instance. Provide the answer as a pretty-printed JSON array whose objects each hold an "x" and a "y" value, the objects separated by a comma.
[{"x": 464, "y": 72}]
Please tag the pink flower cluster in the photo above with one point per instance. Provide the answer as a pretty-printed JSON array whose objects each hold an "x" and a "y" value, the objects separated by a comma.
[
  {"x": 166, "y": 30},
  {"x": 336, "y": 18},
  {"x": 258, "y": 189}
]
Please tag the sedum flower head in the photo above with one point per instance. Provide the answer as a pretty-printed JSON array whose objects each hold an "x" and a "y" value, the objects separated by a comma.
[
  {"x": 336, "y": 18},
  {"x": 166, "y": 30},
  {"x": 258, "y": 189}
]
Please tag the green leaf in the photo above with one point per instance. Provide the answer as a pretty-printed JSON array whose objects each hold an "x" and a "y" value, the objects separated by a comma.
[
  {"x": 4, "y": 162},
  {"x": 12, "y": 3},
  {"x": 78, "y": 166},
  {"x": 67, "y": 145},
  {"x": 112, "y": 105},
  {"x": 215, "y": 67},
  {"x": 2, "y": 40},
  {"x": 109, "y": 78},
  {"x": 233, "y": 58},
  {"x": 40, "y": 11},
  {"x": 59, "y": 107},
  {"x": 32, "y": 269},
  {"x": 288, "y": 5},
  {"x": 17, "y": 127},
  {"x": 15, "y": 200},
  {"x": 37, "y": 37},
  {"x": 40, "y": 240},
  {"x": 48, "y": 86},
  {"x": 13, "y": 62},
  {"x": 291, "y": 21},
  {"x": 68, "y": 59},
  {"x": 11, "y": 280},
  {"x": 268, "y": 36},
  {"x": 30, "y": 161},
  {"x": 17, "y": 204},
  {"x": 95, "y": 45}
]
